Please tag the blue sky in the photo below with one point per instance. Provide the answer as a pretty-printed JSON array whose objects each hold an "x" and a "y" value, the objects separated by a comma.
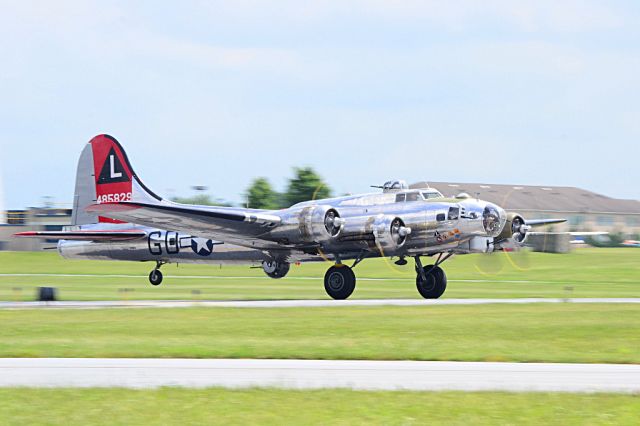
[{"x": 217, "y": 93}]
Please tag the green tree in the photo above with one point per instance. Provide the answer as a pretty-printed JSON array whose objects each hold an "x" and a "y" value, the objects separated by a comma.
[
  {"x": 306, "y": 185},
  {"x": 261, "y": 195},
  {"x": 202, "y": 200}
]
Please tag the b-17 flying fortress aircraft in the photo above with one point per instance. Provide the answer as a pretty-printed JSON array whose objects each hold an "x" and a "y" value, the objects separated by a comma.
[{"x": 117, "y": 217}]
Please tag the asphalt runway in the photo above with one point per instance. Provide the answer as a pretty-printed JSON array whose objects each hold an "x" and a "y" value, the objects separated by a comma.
[
  {"x": 317, "y": 374},
  {"x": 304, "y": 303}
]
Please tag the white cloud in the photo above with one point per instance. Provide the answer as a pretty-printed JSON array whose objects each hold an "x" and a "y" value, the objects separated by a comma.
[
  {"x": 455, "y": 15},
  {"x": 209, "y": 55},
  {"x": 19, "y": 19},
  {"x": 296, "y": 76}
]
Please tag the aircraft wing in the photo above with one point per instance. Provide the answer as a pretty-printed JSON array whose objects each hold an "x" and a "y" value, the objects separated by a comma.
[
  {"x": 89, "y": 235},
  {"x": 542, "y": 222},
  {"x": 587, "y": 233},
  {"x": 226, "y": 223}
]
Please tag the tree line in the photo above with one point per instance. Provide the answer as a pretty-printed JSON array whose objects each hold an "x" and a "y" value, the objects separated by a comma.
[{"x": 305, "y": 185}]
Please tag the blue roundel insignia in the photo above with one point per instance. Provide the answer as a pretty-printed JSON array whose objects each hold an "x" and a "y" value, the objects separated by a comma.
[{"x": 201, "y": 246}]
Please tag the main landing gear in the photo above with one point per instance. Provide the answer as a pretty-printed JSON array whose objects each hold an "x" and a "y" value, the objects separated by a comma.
[
  {"x": 155, "y": 277},
  {"x": 340, "y": 281},
  {"x": 431, "y": 280}
]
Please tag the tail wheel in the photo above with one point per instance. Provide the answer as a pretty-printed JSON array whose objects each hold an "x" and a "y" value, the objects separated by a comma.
[
  {"x": 434, "y": 284},
  {"x": 155, "y": 277},
  {"x": 339, "y": 282}
]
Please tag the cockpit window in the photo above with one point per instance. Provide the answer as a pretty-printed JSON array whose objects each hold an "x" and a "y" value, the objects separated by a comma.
[
  {"x": 431, "y": 194},
  {"x": 440, "y": 217},
  {"x": 413, "y": 196},
  {"x": 454, "y": 213},
  {"x": 400, "y": 198}
]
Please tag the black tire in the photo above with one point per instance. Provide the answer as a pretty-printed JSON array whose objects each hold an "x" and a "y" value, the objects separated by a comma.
[
  {"x": 435, "y": 284},
  {"x": 339, "y": 282},
  {"x": 282, "y": 268},
  {"x": 155, "y": 277}
]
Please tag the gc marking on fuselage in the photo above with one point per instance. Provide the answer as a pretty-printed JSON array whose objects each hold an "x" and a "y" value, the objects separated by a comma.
[{"x": 170, "y": 242}]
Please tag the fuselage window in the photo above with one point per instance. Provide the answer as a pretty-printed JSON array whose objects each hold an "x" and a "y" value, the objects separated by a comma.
[
  {"x": 400, "y": 198},
  {"x": 440, "y": 217},
  {"x": 454, "y": 213}
]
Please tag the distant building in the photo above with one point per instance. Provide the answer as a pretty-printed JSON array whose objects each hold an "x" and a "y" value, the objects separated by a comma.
[
  {"x": 3, "y": 217},
  {"x": 33, "y": 219},
  {"x": 584, "y": 210}
]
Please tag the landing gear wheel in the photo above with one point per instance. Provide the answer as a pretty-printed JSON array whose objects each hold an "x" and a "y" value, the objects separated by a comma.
[
  {"x": 275, "y": 269},
  {"x": 155, "y": 277},
  {"x": 435, "y": 283},
  {"x": 339, "y": 282}
]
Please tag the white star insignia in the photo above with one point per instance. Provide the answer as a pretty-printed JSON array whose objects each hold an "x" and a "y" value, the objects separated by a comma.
[{"x": 201, "y": 244}]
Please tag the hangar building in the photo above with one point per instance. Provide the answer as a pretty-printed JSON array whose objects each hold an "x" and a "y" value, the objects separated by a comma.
[{"x": 584, "y": 210}]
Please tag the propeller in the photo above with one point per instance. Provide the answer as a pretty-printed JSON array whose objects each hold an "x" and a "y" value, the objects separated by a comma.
[
  {"x": 519, "y": 229},
  {"x": 399, "y": 232},
  {"x": 507, "y": 253},
  {"x": 491, "y": 263},
  {"x": 333, "y": 222}
]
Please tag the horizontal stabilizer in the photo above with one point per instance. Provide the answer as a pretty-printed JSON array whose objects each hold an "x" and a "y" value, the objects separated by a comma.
[{"x": 93, "y": 235}]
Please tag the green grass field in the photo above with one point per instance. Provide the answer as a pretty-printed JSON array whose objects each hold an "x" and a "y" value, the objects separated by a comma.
[
  {"x": 522, "y": 333},
  {"x": 170, "y": 406},
  {"x": 583, "y": 273}
]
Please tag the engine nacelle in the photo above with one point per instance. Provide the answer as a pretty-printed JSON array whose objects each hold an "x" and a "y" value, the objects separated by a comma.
[
  {"x": 515, "y": 229},
  {"x": 390, "y": 232},
  {"x": 320, "y": 224}
]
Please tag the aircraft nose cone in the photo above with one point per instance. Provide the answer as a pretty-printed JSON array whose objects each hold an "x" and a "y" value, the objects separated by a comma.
[{"x": 493, "y": 220}]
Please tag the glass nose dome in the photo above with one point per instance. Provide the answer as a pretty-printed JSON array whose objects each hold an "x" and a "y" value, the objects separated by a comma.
[{"x": 492, "y": 220}]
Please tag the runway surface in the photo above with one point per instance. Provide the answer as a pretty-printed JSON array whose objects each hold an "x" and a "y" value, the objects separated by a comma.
[
  {"x": 305, "y": 303},
  {"x": 289, "y": 278},
  {"x": 315, "y": 374}
]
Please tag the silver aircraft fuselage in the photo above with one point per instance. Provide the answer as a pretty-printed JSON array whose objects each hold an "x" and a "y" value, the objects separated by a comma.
[
  {"x": 430, "y": 223},
  {"x": 159, "y": 246},
  {"x": 427, "y": 223}
]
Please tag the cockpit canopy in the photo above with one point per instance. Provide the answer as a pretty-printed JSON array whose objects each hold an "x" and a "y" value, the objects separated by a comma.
[
  {"x": 392, "y": 196},
  {"x": 403, "y": 192}
]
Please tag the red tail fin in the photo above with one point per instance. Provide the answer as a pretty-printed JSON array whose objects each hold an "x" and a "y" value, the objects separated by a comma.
[
  {"x": 112, "y": 171},
  {"x": 105, "y": 175}
]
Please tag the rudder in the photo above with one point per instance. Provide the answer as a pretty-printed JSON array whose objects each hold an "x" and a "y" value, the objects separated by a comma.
[{"x": 105, "y": 175}]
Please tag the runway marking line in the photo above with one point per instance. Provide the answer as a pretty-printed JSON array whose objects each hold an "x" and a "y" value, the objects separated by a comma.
[
  {"x": 317, "y": 374},
  {"x": 299, "y": 303}
]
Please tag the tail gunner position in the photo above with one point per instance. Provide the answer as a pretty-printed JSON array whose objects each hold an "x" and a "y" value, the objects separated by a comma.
[{"x": 117, "y": 217}]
